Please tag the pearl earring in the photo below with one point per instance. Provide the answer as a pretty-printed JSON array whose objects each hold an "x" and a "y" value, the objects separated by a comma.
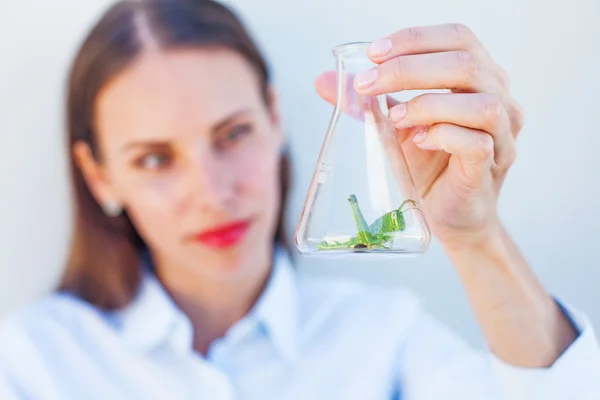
[{"x": 112, "y": 208}]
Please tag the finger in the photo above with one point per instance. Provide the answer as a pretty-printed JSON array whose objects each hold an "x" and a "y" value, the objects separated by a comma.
[
  {"x": 477, "y": 111},
  {"x": 424, "y": 39},
  {"x": 449, "y": 70},
  {"x": 517, "y": 117},
  {"x": 474, "y": 149},
  {"x": 428, "y": 164},
  {"x": 434, "y": 39},
  {"x": 326, "y": 86}
]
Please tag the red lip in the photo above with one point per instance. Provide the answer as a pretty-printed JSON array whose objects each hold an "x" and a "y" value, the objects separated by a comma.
[{"x": 224, "y": 236}]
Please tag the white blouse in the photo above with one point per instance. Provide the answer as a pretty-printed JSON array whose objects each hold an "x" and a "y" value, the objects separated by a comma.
[{"x": 306, "y": 338}]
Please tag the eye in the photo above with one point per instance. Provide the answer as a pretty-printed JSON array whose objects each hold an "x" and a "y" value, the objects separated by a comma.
[
  {"x": 395, "y": 214},
  {"x": 154, "y": 161},
  {"x": 235, "y": 134}
]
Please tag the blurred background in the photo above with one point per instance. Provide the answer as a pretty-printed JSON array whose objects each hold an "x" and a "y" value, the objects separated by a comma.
[{"x": 550, "y": 201}]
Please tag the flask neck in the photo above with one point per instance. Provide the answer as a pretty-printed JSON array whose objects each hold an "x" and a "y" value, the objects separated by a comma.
[{"x": 351, "y": 60}]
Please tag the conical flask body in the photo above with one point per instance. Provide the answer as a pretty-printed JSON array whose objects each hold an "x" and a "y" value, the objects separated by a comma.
[{"x": 362, "y": 199}]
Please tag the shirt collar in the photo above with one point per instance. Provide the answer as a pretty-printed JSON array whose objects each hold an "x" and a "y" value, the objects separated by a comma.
[
  {"x": 152, "y": 319},
  {"x": 277, "y": 307}
]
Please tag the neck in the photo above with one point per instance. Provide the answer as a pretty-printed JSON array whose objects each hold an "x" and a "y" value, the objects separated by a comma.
[{"x": 213, "y": 305}]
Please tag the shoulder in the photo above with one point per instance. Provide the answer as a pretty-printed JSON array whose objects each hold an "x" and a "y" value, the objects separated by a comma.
[
  {"x": 52, "y": 314},
  {"x": 36, "y": 336}
]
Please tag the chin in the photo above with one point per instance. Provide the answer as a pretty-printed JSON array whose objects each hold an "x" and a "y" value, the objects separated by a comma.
[
  {"x": 231, "y": 271},
  {"x": 241, "y": 261}
]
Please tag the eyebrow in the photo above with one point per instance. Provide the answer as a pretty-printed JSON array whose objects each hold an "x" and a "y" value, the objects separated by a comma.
[
  {"x": 231, "y": 117},
  {"x": 160, "y": 144}
]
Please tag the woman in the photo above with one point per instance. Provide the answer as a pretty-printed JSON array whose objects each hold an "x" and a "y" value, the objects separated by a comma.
[{"x": 179, "y": 285}]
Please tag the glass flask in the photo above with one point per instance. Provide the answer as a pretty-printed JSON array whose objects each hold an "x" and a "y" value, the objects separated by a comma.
[{"x": 362, "y": 198}]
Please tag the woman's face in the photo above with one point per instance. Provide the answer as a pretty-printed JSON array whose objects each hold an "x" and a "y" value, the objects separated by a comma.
[{"x": 191, "y": 150}]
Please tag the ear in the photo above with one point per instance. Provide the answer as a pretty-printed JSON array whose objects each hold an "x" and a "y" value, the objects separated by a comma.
[{"x": 94, "y": 175}]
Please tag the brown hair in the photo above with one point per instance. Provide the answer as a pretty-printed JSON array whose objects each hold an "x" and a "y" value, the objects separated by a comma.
[{"x": 104, "y": 263}]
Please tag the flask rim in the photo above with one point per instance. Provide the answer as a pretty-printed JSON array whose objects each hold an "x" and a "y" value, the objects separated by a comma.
[{"x": 351, "y": 48}]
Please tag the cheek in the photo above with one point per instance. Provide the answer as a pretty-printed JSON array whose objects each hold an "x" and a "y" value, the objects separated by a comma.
[
  {"x": 153, "y": 203},
  {"x": 258, "y": 174}
]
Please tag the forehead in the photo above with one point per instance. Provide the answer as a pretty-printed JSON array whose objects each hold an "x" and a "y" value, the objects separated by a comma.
[{"x": 178, "y": 89}]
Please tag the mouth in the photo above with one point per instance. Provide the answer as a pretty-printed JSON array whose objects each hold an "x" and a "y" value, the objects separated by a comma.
[{"x": 224, "y": 236}]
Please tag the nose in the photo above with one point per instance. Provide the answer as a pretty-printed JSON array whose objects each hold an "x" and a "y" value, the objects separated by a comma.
[{"x": 211, "y": 183}]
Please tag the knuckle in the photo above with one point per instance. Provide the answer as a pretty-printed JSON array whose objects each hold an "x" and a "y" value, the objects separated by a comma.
[
  {"x": 463, "y": 34},
  {"x": 467, "y": 65},
  {"x": 491, "y": 109},
  {"x": 504, "y": 78},
  {"x": 413, "y": 36},
  {"x": 511, "y": 153},
  {"x": 517, "y": 117},
  {"x": 420, "y": 104},
  {"x": 403, "y": 65},
  {"x": 508, "y": 157},
  {"x": 484, "y": 147}
]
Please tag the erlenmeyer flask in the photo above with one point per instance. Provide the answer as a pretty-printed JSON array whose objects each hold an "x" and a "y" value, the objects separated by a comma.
[{"x": 362, "y": 198}]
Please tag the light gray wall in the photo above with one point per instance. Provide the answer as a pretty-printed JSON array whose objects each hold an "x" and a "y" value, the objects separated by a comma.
[{"x": 550, "y": 201}]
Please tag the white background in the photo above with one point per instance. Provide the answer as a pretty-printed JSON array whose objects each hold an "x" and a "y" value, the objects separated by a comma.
[{"x": 550, "y": 202}]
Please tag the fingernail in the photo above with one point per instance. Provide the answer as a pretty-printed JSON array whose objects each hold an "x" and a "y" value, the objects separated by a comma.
[
  {"x": 380, "y": 48},
  {"x": 366, "y": 78},
  {"x": 398, "y": 112},
  {"x": 420, "y": 136}
]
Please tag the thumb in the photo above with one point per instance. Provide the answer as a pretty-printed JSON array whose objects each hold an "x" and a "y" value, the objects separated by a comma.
[{"x": 326, "y": 86}]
